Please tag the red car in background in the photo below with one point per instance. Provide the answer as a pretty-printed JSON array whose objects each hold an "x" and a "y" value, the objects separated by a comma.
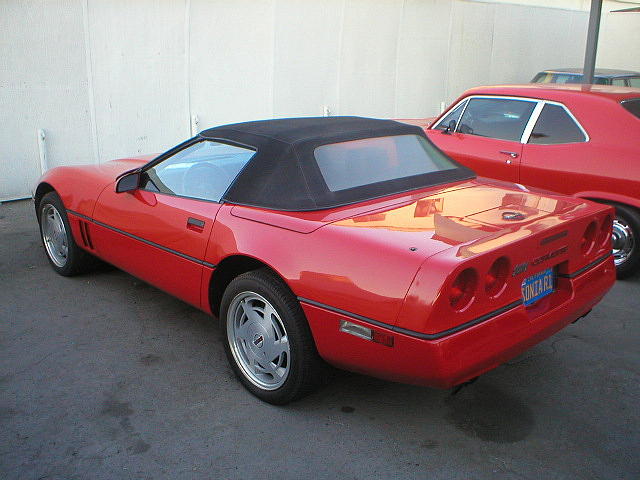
[
  {"x": 576, "y": 139},
  {"x": 349, "y": 240}
]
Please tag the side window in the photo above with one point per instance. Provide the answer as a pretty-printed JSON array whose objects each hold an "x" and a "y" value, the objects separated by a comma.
[
  {"x": 634, "y": 82},
  {"x": 567, "y": 78},
  {"x": 620, "y": 82},
  {"x": 452, "y": 116},
  {"x": 203, "y": 170},
  {"x": 633, "y": 106},
  {"x": 554, "y": 125},
  {"x": 500, "y": 118}
]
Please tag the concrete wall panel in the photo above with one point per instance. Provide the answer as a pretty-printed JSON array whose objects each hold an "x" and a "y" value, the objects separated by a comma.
[
  {"x": 108, "y": 78},
  {"x": 423, "y": 57},
  {"x": 231, "y": 60},
  {"x": 368, "y": 57},
  {"x": 137, "y": 60},
  {"x": 306, "y": 61},
  {"x": 42, "y": 85}
]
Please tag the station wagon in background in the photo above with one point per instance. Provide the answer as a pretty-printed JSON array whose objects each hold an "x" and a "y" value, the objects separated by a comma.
[
  {"x": 575, "y": 139},
  {"x": 344, "y": 240},
  {"x": 602, "y": 76}
]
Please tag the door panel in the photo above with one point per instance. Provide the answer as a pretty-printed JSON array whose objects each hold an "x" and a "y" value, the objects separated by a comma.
[
  {"x": 543, "y": 166},
  {"x": 488, "y": 157},
  {"x": 159, "y": 238}
]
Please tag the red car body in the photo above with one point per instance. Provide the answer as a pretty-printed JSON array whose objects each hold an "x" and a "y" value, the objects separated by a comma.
[
  {"x": 604, "y": 165},
  {"x": 388, "y": 264}
]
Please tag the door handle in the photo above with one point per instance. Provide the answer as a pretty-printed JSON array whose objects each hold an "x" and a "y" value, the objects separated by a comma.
[
  {"x": 511, "y": 154},
  {"x": 195, "y": 224}
]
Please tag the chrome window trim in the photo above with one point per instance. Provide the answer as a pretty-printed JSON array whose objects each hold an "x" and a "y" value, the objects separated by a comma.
[
  {"x": 445, "y": 114},
  {"x": 533, "y": 119},
  {"x": 525, "y": 140}
]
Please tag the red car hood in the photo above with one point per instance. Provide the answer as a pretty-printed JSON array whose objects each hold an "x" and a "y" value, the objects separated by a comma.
[{"x": 113, "y": 168}]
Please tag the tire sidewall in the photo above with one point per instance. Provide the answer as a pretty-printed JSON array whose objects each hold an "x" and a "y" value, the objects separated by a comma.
[
  {"x": 54, "y": 200},
  {"x": 291, "y": 320},
  {"x": 632, "y": 218}
]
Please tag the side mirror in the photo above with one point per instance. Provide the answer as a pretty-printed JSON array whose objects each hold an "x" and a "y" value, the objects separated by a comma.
[
  {"x": 450, "y": 127},
  {"x": 128, "y": 182}
]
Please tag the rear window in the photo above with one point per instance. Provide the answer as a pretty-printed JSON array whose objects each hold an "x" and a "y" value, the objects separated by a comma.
[
  {"x": 549, "y": 77},
  {"x": 554, "y": 125},
  {"x": 633, "y": 106},
  {"x": 369, "y": 161}
]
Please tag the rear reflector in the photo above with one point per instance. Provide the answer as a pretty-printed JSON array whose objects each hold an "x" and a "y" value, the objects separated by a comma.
[
  {"x": 463, "y": 289},
  {"x": 366, "y": 333}
]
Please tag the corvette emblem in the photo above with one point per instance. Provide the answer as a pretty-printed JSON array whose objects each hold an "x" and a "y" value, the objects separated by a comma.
[
  {"x": 258, "y": 340},
  {"x": 513, "y": 216}
]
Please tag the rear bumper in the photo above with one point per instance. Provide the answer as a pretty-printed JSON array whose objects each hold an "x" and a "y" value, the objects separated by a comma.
[{"x": 456, "y": 358}]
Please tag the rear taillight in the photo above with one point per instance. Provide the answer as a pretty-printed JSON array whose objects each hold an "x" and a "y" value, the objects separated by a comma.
[
  {"x": 496, "y": 278},
  {"x": 463, "y": 289},
  {"x": 588, "y": 239},
  {"x": 604, "y": 234}
]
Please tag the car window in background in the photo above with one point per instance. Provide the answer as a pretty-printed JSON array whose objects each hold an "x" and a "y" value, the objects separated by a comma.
[
  {"x": 620, "y": 82},
  {"x": 565, "y": 78},
  {"x": 554, "y": 125},
  {"x": 542, "y": 77},
  {"x": 504, "y": 119},
  {"x": 633, "y": 106},
  {"x": 634, "y": 82},
  {"x": 452, "y": 116},
  {"x": 371, "y": 160},
  {"x": 203, "y": 170}
]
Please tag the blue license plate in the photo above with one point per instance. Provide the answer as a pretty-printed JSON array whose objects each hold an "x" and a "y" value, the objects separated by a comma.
[{"x": 537, "y": 286}]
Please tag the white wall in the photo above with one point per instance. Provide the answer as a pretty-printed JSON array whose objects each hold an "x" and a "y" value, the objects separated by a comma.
[{"x": 107, "y": 78}]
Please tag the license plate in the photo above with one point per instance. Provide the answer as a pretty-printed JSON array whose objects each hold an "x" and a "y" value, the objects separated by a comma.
[{"x": 537, "y": 286}]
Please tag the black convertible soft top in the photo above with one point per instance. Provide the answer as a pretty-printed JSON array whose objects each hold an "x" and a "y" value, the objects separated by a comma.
[{"x": 284, "y": 174}]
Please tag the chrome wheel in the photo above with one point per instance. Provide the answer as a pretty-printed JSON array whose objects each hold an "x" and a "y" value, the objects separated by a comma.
[
  {"x": 54, "y": 235},
  {"x": 258, "y": 340},
  {"x": 622, "y": 241}
]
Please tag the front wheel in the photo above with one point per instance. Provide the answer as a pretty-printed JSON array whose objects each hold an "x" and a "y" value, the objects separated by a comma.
[
  {"x": 268, "y": 341},
  {"x": 64, "y": 255},
  {"x": 625, "y": 241}
]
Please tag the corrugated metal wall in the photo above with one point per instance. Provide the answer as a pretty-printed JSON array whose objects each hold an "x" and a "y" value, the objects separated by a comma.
[{"x": 108, "y": 78}]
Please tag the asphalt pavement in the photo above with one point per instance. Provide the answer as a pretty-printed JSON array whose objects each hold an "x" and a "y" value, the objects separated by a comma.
[{"x": 105, "y": 377}]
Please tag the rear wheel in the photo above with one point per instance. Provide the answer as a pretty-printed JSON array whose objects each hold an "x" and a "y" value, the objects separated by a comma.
[
  {"x": 64, "y": 255},
  {"x": 268, "y": 341},
  {"x": 625, "y": 241}
]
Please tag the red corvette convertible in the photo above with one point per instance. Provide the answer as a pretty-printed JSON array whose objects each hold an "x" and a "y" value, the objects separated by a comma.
[
  {"x": 574, "y": 139},
  {"x": 347, "y": 240}
]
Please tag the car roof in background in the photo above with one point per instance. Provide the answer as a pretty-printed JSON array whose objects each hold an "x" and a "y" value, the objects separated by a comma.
[
  {"x": 599, "y": 72},
  {"x": 557, "y": 91}
]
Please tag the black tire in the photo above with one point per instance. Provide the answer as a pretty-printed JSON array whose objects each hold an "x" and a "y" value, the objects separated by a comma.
[
  {"x": 305, "y": 368},
  {"x": 631, "y": 219},
  {"x": 75, "y": 260}
]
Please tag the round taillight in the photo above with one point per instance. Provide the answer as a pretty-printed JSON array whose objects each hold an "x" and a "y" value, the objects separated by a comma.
[
  {"x": 604, "y": 234},
  {"x": 463, "y": 289},
  {"x": 495, "y": 280},
  {"x": 588, "y": 238}
]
